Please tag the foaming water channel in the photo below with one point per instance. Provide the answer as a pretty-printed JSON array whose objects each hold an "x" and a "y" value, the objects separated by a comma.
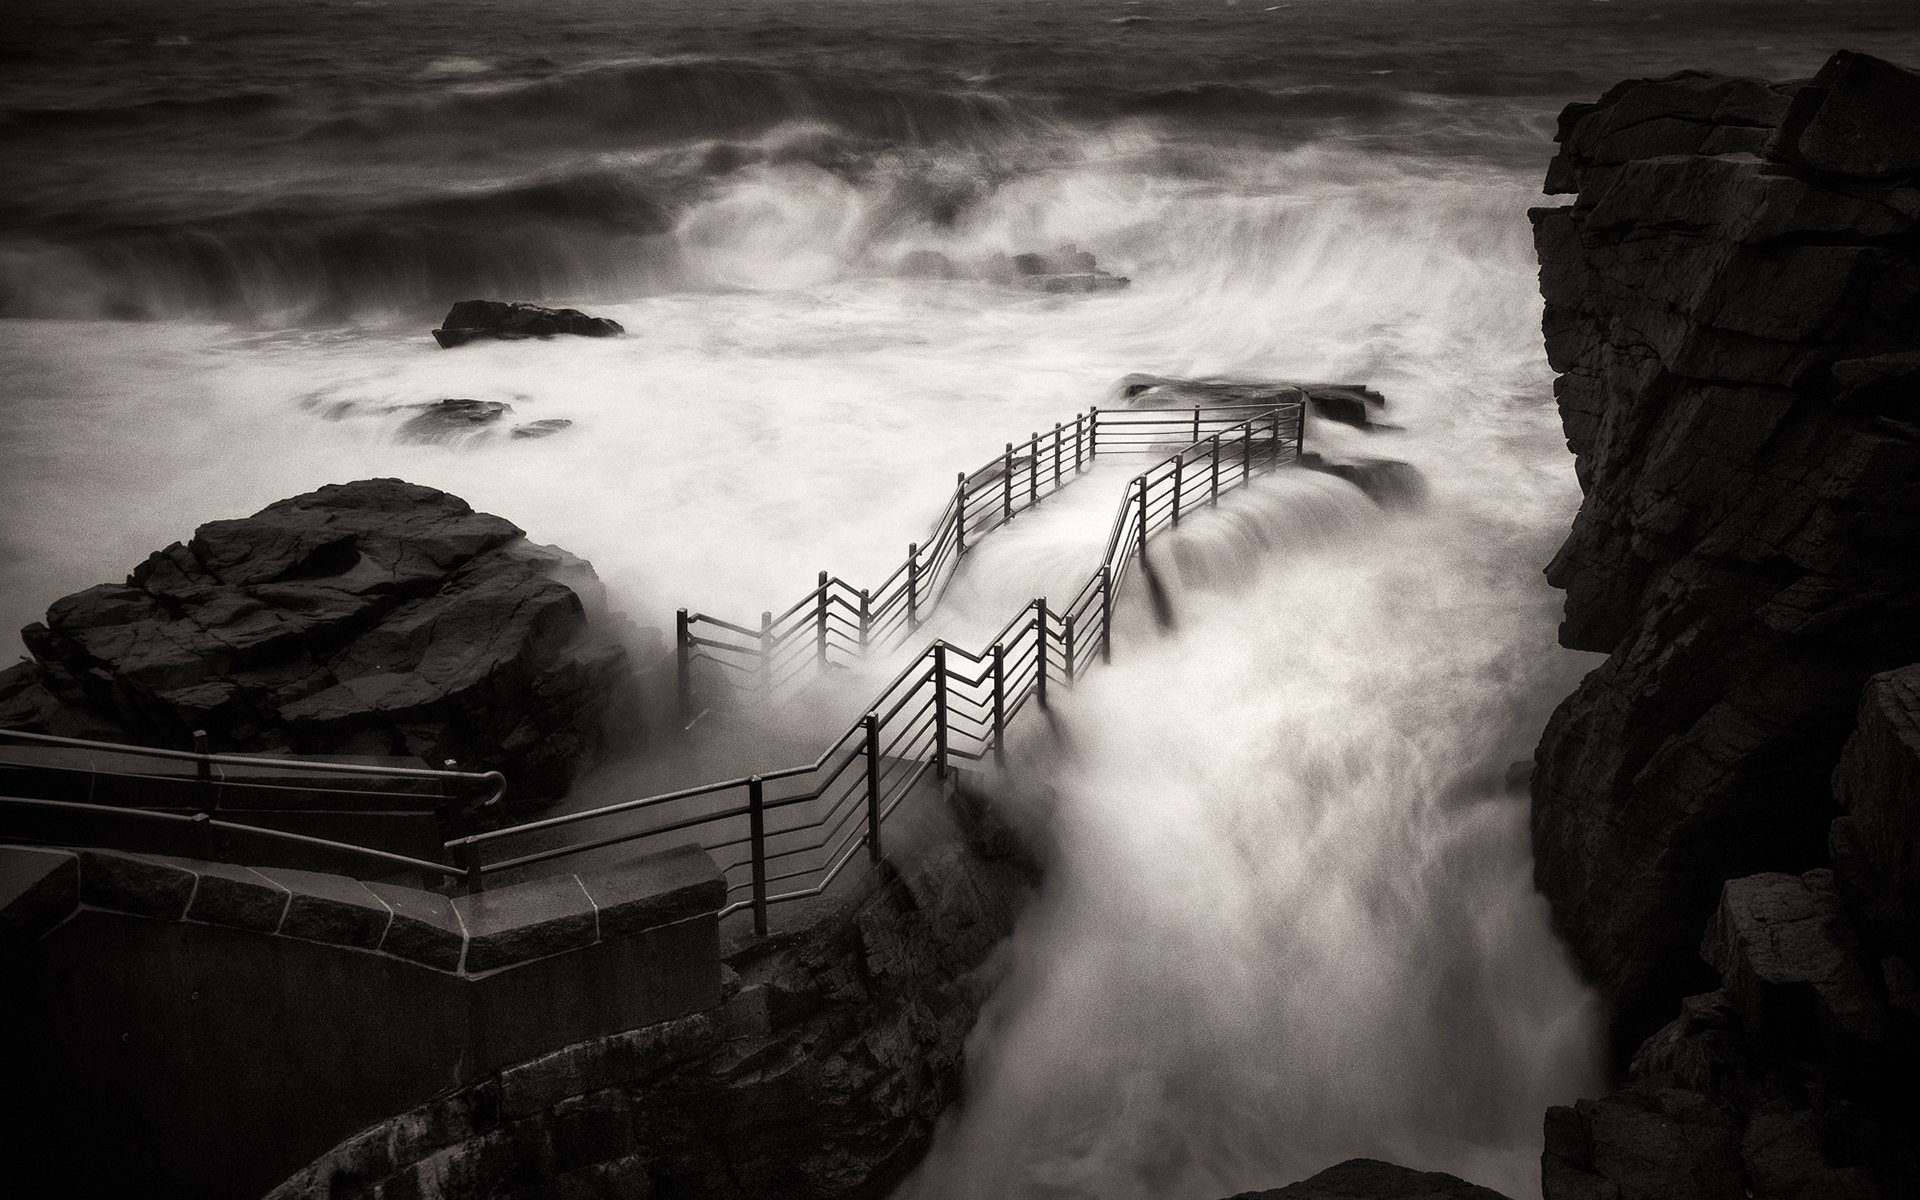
[{"x": 1288, "y": 916}]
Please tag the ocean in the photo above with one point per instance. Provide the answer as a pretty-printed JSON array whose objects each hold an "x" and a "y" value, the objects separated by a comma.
[{"x": 1292, "y": 917}]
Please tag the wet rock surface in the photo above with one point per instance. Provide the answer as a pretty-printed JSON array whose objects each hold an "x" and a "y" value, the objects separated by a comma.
[
  {"x": 446, "y": 419},
  {"x": 1370, "y": 1179},
  {"x": 375, "y": 617},
  {"x": 471, "y": 320},
  {"x": 1353, "y": 404},
  {"x": 1067, "y": 269},
  {"x": 1733, "y": 307},
  {"x": 1730, "y": 805}
]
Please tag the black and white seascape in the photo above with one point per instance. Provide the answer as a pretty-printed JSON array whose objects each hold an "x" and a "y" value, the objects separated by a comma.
[{"x": 1291, "y": 918}]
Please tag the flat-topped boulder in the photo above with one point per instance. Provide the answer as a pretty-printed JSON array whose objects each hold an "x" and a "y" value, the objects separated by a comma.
[
  {"x": 374, "y": 617},
  {"x": 472, "y": 319}
]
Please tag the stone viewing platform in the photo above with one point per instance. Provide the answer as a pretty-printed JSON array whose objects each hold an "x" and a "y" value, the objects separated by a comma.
[{"x": 222, "y": 1024}]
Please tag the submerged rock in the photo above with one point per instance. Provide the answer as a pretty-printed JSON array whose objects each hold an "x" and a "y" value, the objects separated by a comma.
[
  {"x": 470, "y": 319},
  {"x": 540, "y": 429},
  {"x": 450, "y": 418},
  {"x": 1068, "y": 269},
  {"x": 1353, "y": 404},
  {"x": 375, "y": 617},
  {"x": 1387, "y": 482}
]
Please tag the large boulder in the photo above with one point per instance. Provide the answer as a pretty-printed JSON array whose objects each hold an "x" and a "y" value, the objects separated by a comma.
[
  {"x": 1733, "y": 310},
  {"x": 471, "y": 319},
  {"x": 375, "y": 617},
  {"x": 1371, "y": 1179}
]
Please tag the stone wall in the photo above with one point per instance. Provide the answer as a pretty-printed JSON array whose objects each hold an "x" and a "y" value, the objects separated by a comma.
[{"x": 210, "y": 1027}]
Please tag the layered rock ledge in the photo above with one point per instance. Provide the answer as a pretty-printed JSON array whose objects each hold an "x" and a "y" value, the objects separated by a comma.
[
  {"x": 1733, "y": 307},
  {"x": 373, "y": 618},
  {"x": 1727, "y": 812}
]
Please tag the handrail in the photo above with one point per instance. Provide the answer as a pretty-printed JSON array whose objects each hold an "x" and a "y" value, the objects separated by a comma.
[
  {"x": 924, "y": 716},
  {"x": 949, "y": 703},
  {"x": 983, "y": 499}
]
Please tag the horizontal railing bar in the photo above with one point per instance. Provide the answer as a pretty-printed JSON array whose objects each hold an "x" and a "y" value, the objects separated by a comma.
[{"x": 277, "y": 835}]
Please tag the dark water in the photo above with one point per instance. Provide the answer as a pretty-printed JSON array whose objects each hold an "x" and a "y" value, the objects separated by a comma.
[
  {"x": 282, "y": 161},
  {"x": 1292, "y": 918}
]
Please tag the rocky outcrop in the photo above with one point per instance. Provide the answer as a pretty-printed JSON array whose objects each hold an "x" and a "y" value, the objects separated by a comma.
[
  {"x": 820, "y": 1076},
  {"x": 1733, "y": 307},
  {"x": 473, "y": 319},
  {"x": 1370, "y": 1179},
  {"x": 1353, "y": 404},
  {"x": 376, "y": 617},
  {"x": 1790, "y": 1081},
  {"x": 1068, "y": 269}
]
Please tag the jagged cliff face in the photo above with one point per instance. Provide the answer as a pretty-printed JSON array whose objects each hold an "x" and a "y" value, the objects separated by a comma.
[{"x": 1733, "y": 305}]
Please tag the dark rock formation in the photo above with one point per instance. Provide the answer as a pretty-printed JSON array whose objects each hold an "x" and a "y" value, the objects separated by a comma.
[
  {"x": 375, "y": 617},
  {"x": 450, "y": 418},
  {"x": 1387, "y": 482},
  {"x": 1790, "y": 1081},
  {"x": 540, "y": 429},
  {"x": 1068, "y": 269},
  {"x": 1370, "y": 1179},
  {"x": 820, "y": 1076},
  {"x": 1733, "y": 305},
  {"x": 471, "y": 319},
  {"x": 1353, "y": 404}
]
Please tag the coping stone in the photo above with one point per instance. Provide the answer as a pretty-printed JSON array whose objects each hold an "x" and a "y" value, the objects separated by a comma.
[
  {"x": 425, "y": 928},
  {"x": 234, "y": 896},
  {"x": 330, "y": 908},
  {"x": 526, "y": 921},
  {"x": 134, "y": 883},
  {"x": 38, "y": 890},
  {"x": 655, "y": 889}
]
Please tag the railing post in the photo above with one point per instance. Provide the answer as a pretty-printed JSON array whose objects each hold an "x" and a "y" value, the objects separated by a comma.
[
  {"x": 1077, "y": 418},
  {"x": 1246, "y": 452},
  {"x": 1033, "y": 470},
  {"x": 1056, "y": 456},
  {"x": 1040, "y": 650},
  {"x": 1275, "y": 465},
  {"x": 203, "y": 771},
  {"x": 1068, "y": 649},
  {"x": 940, "y": 710},
  {"x": 820, "y": 623},
  {"x": 683, "y": 665},
  {"x": 1179, "y": 482},
  {"x": 757, "y": 832},
  {"x": 469, "y": 855},
  {"x": 872, "y": 722},
  {"x": 913, "y": 586},
  {"x": 766, "y": 651},
  {"x": 999, "y": 705},
  {"x": 203, "y": 843},
  {"x": 960, "y": 526},
  {"x": 1093, "y": 431},
  {"x": 1106, "y": 613},
  {"x": 1216, "y": 470},
  {"x": 1142, "y": 481},
  {"x": 1196, "y": 423},
  {"x": 1006, "y": 478},
  {"x": 865, "y": 620},
  {"x": 1300, "y": 431}
]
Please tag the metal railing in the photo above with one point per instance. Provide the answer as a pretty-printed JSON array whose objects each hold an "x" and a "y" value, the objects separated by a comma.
[
  {"x": 787, "y": 834},
  {"x": 219, "y": 783},
  {"x": 836, "y": 621}
]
